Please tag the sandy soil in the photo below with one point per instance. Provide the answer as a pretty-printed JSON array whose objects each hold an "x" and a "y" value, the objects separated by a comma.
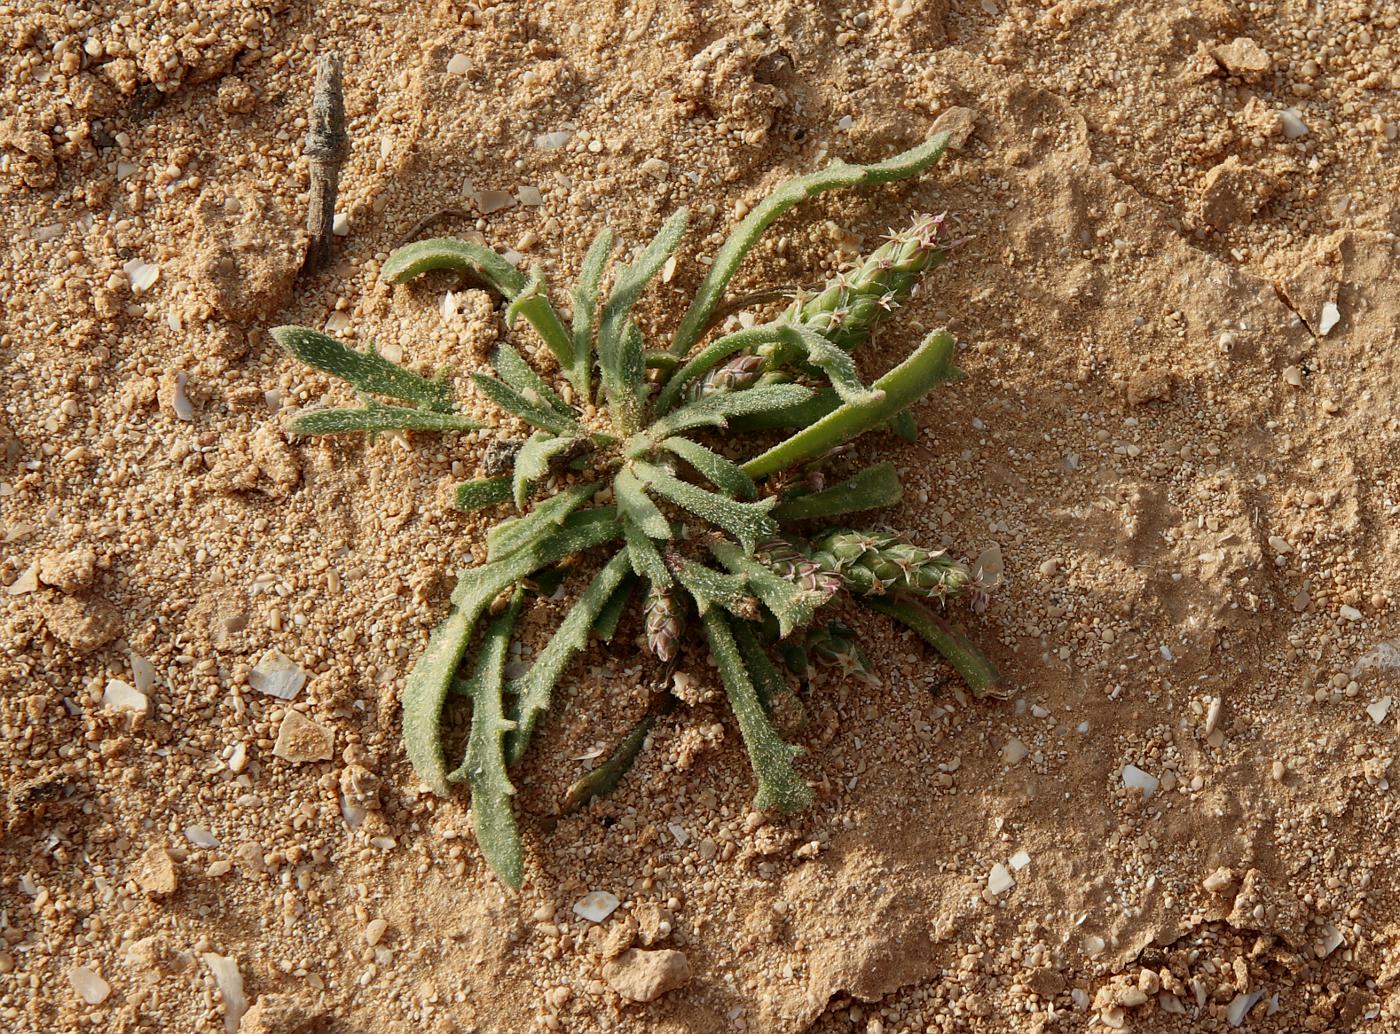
[{"x": 1178, "y": 308}]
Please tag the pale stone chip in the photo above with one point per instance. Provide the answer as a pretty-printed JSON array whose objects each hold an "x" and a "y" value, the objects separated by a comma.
[
  {"x": 299, "y": 739},
  {"x": 89, "y": 984},
  {"x": 121, "y": 696},
  {"x": 230, "y": 981},
  {"x": 277, "y": 675},
  {"x": 596, "y": 905}
]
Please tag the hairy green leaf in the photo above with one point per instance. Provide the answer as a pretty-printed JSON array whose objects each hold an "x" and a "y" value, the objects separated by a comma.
[
  {"x": 634, "y": 503},
  {"x": 930, "y": 364},
  {"x": 539, "y": 414},
  {"x": 835, "y": 362},
  {"x": 485, "y": 265},
  {"x": 368, "y": 371},
  {"x": 619, "y": 351},
  {"x": 586, "y": 310},
  {"x": 767, "y": 680},
  {"x": 474, "y": 495},
  {"x": 747, "y": 522},
  {"x": 791, "y": 604},
  {"x": 721, "y": 472},
  {"x": 425, "y": 691},
  {"x": 957, "y": 649},
  {"x": 715, "y": 588},
  {"x": 519, "y": 532},
  {"x": 605, "y": 625},
  {"x": 534, "y": 689},
  {"x": 375, "y": 417},
  {"x": 603, "y": 778},
  {"x": 875, "y": 486},
  {"x": 484, "y": 766},
  {"x": 643, "y": 555},
  {"x": 715, "y": 410},
  {"x": 516, "y": 372},
  {"x": 746, "y": 234},
  {"x": 532, "y": 462},
  {"x": 779, "y": 785},
  {"x": 711, "y": 356},
  {"x": 803, "y": 414}
]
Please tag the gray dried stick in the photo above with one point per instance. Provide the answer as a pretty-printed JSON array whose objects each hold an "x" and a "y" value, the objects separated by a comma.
[{"x": 327, "y": 146}]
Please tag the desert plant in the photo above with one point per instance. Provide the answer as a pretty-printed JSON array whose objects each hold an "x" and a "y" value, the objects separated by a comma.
[{"x": 707, "y": 526}]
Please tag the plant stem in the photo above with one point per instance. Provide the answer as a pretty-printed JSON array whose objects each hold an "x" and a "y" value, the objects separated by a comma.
[{"x": 327, "y": 146}]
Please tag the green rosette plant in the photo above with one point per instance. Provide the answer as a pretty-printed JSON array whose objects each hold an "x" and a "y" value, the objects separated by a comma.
[{"x": 680, "y": 468}]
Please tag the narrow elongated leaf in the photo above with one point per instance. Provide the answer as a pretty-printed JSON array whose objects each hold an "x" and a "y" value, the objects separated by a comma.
[
  {"x": 957, "y": 649},
  {"x": 792, "y": 605},
  {"x": 721, "y": 472},
  {"x": 425, "y": 690},
  {"x": 643, "y": 555},
  {"x": 603, "y": 778},
  {"x": 711, "y": 356},
  {"x": 533, "y": 690},
  {"x": 539, "y": 414},
  {"x": 715, "y": 410},
  {"x": 605, "y": 625},
  {"x": 619, "y": 352},
  {"x": 376, "y": 417},
  {"x": 788, "y": 194},
  {"x": 586, "y": 310},
  {"x": 512, "y": 368},
  {"x": 715, "y": 588},
  {"x": 532, "y": 462},
  {"x": 368, "y": 371},
  {"x": 767, "y": 680},
  {"x": 779, "y": 785},
  {"x": 833, "y": 361},
  {"x": 519, "y": 532},
  {"x": 930, "y": 364},
  {"x": 803, "y": 414},
  {"x": 637, "y": 507},
  {"x": 474, "y": 495},
  {"x": 747, "y": 522},
  {"x": 875, "y": 486},
  {"x": 485, "y": 265},
  {"x": 484, "y": 766},
  {"x": 413, "y": 260}
]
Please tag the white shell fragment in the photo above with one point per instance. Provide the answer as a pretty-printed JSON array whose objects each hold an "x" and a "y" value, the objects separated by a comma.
[
  {"x": 1379, "y": 709},
  {"x": 999, "y": 880},
  {"x": 1331, "y": 316},
  {"x": 1293, "y": 125},
  {"x": 341, "y": 225},
  {"x": 553, "y": 141},
  {"x": 337, "y": 322},
  {"x": 1135, "y": 778},
  {"x": 596, "y": 905},
  {"x": 201, "y": 837},
  {"x": 27, "y": 582},
  {"x": 488, "y": 201},
  {"x": 141, "y": 275},
  {"x": 180, "y": 402},
  {"x": 122, "y": 696},
  {"x": 459, "y": 64},
  {"x": 1331, "y": 940},
  {"x": 143, "y": 673},
  {"x": 89, "y": 984},
  {"x": 277, "y": 675},
  {"x": 1239, "y": 1007},
  {"x": 230, "y": 981},
  {"x": 1019, "y": 861}
]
